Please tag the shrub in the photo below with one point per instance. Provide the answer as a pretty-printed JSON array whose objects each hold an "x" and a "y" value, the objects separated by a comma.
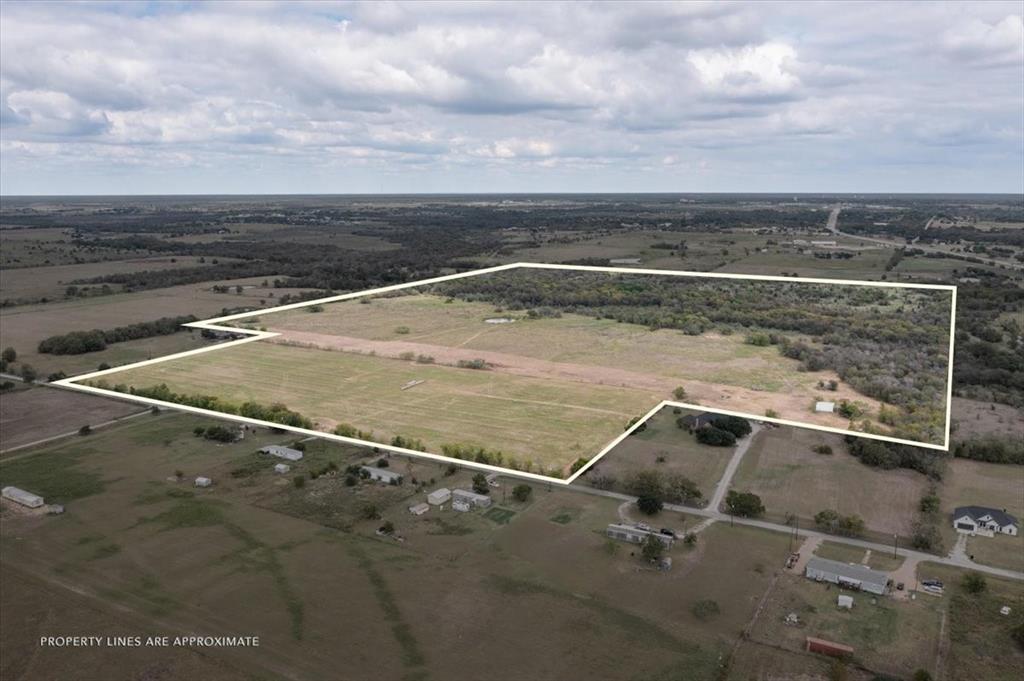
[
  {"x": 716, "y": 437},
  {"x": 85, "y": 430},
  {"x": 974, "y": 583},
  {"x": 705, "y": 609},
  {"x": 299, "y": 481},
  {"x": 521, "y": 493},
  {"x": 822, "y": 449}
]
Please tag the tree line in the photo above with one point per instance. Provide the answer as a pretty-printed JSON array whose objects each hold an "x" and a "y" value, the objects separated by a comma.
[{"x": 80, "y": 342}]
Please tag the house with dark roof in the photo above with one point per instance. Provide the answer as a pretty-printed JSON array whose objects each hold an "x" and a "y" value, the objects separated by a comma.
[
  {"x": 694, "y": 422},
  {"x": 985, "y": 521}
]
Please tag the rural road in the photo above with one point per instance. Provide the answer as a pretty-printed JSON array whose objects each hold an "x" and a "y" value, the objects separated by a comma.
[
  {"x": 726, "y": 480},
  {"x": 920, "y": 556},
  {"x": 67, "y": 434}
]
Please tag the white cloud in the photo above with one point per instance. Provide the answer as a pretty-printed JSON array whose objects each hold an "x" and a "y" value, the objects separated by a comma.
[{"x": 997, "y": 44}]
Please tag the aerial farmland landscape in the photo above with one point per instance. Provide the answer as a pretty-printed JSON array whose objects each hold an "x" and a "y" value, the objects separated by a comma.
[{"x": 511, "y": 342}]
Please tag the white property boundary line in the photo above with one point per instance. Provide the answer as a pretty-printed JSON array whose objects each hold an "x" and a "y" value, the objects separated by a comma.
[{"x": 214, "y": 325}]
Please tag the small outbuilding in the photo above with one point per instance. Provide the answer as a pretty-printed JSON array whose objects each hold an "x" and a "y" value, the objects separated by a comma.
[
  {"x": 419, "y": 509},
  {"x": 20, "y": 496},
  {"x": 439, "y": 496},
  {"x": 281, "y": 468},
  {"x": 845, "y": 601},
  {"x": 280, "y": 452},
  {"x": 203, "y": 482},
  {"x": 824, "y": 407}
]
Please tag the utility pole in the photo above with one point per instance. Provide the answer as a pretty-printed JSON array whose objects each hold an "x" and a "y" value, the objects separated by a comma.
[{"x": 895, "y": 544}]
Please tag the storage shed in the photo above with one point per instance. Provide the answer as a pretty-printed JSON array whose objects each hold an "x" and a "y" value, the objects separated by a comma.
[
  {"x": 824, "y": 407},
  {"x": 282, "y": 468},
  {"x": 419, "y": 509},
  {"x": 439, "y": 496},
  {"x": 20, "y": 496},
  {"x": 203, "y": 482}
]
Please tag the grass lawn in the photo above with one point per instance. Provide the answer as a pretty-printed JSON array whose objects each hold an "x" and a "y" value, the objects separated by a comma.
[
  {"x": 852, "y": 554},
  {"x": 790, "y": 477},
  {"x": 549, "y": 423}
]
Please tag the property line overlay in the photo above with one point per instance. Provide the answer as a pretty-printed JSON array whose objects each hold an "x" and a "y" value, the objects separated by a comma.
[{"x": 215, "y": 324}]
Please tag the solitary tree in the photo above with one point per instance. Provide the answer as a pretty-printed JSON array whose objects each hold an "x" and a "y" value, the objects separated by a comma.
[
  {"x": 521, "y": 493},
  {"x": 649, "y": 505},
  {"x": 974, "y": 583},
  {"x": 652, "y": 548},
  {"x": 744, "y": 504},
  {"x": 9, "y": 355},
  {"x": 28, "y": 374},
  {"x": 480, "y": 484}
]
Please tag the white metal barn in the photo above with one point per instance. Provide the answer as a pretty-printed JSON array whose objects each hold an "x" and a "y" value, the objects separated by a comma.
[
  {"x": 439, "y": 496},
  {"x": 282, "y": 452},
  {"x": 20, "y": 496},
  {"x": 471, "y": 498},
  {"x": 824, "y": 407}
]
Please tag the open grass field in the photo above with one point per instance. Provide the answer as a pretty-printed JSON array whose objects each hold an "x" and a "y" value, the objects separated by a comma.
[
  {"x": 46, "y": 246},
  {"x": 845, "y": 553},
  {"x": 34, "y": 283},
  {"x": 976, "y": 483},
  {"x": 550, "y": 423},
  {"x": 973, "y": 418},
  {"x": 681, "y": 452},
  {"x": 23, "y": 327},
  {"x": 888, "y": 636},
  {"x": 980, "y": 643},
  {"x": 717, "y": 370},
  {"x": 28, "y": 415},
  {"x": 170, "y": 559},
  {"x": 790, "y": 477}
]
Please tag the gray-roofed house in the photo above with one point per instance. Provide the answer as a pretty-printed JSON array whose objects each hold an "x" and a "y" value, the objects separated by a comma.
[
  {"x": 636, "y": 535},
  {"x": 280, "y": 452},
  {"x": 849, "y": 575},
  {"x": 382, "y": 475},
  {"x": 984, "y": 521}
]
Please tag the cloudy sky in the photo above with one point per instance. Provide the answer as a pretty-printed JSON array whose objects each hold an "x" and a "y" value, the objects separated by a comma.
[{"x": 321, "y": 97}]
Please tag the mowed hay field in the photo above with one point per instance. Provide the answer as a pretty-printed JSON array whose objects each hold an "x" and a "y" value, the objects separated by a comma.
[
  {"x": 548, "y": 422},
  {"x": 790, "y": 477},
  {"x": 22, "y": 327},
  {"x": 976, "y": 483},
  {"x": 32, "y": 283},
  {"x": 716, "y": 370},
  {"x": 663, "y": 439}
]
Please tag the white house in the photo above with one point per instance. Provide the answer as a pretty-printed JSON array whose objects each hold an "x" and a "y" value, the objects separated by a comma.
[
  {"x": 282, "y": 468},
  {"x": 282, "y": 452},
  {"x": 20, "y": 496},
  {"x": 382, "y": 475},
  {"x": 636, "y": 535},
  {"x": 987, "y": 522},
  {"x": 824, "y": 407},
  {"x": 439, "y": 496},
  {"x": 463, "y": 496},
  {"x": 203, "y": 482}
]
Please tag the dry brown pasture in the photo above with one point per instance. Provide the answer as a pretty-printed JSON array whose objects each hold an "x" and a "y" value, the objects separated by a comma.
[
  {"x": 662, "y": 438},
  {"x": 974, "y": 419},
  {"x": 41, "y": 412},
  {"x": 216, "y": 561},
  {"x": 790, "y": 477}
]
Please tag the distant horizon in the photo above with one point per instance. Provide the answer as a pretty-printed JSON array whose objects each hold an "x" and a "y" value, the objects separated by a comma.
[
  {"x": 1019, "y": 195},
  {"x": 406, "y": 98}
]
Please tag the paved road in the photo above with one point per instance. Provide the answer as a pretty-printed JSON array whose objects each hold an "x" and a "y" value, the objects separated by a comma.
[
  {"x": 64, "y": 435},
  {"x": 832, "y": 226},
  {"x": 957, "y": 561}
]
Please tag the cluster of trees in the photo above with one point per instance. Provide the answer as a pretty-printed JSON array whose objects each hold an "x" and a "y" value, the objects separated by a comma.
[
  {"x": 79, "y": 342},
  {"x": 744, "y": 504},
  {"x": 889, "y": 455},
  {"x": 217, "y": 433},
  {"x": 275, "y": 413},
  {"x": 831, "y": 521},
  {"x": 924, "y": 532},
  {"x": 991, "y": 449},
  {"x": 658, "y": 488}
]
